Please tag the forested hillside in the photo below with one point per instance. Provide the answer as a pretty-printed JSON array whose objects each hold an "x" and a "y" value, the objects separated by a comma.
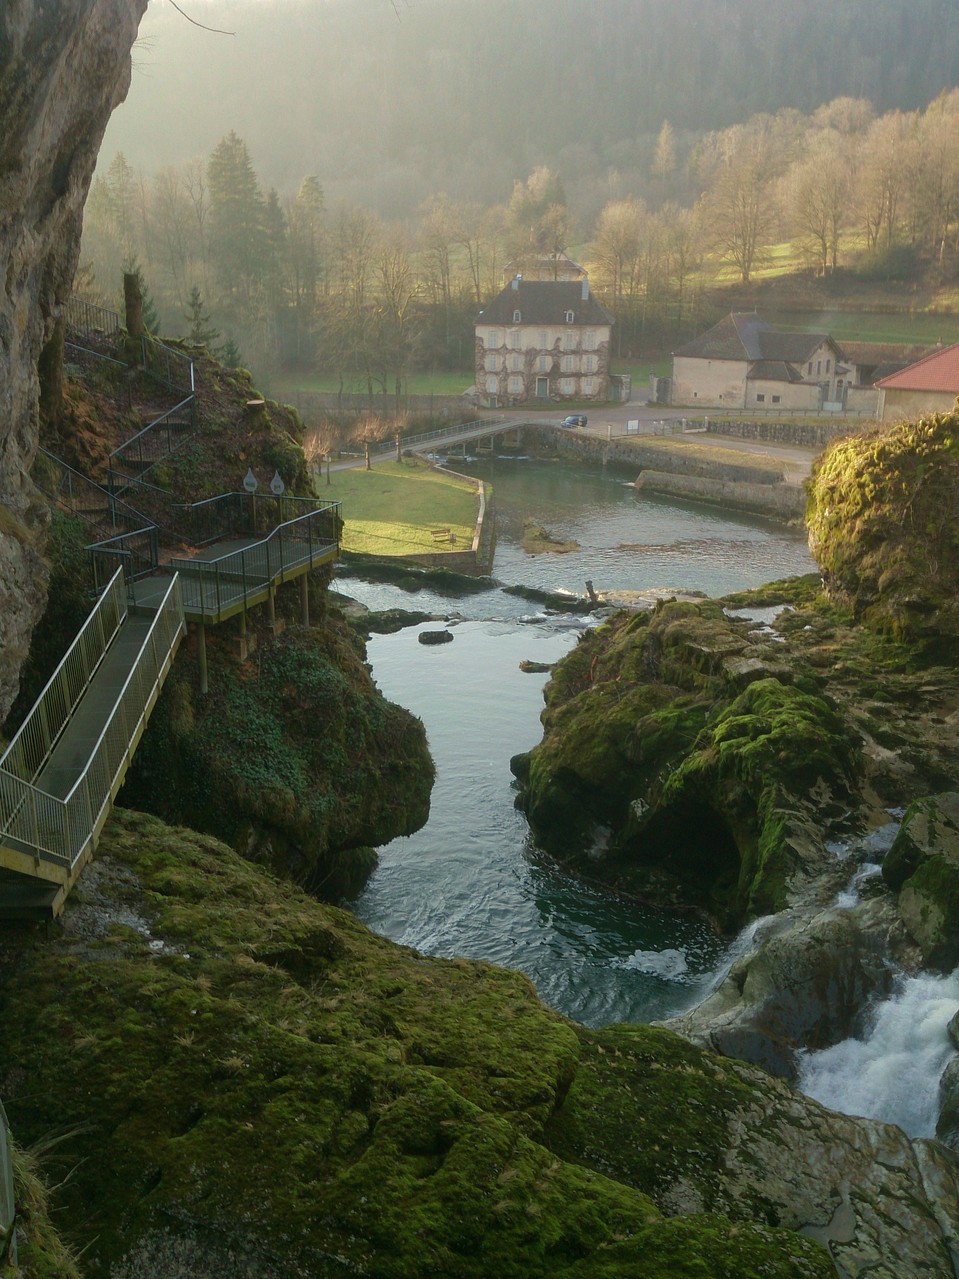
[{"x": 340, "y": 186}]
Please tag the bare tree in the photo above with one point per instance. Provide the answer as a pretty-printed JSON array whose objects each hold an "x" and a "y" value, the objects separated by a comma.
[{"x": 739, "y": 210}]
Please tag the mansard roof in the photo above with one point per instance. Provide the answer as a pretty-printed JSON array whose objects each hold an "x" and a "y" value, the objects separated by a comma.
[
  {"x": 544, "y": 302},
  {"x": 742, "y": 335}
]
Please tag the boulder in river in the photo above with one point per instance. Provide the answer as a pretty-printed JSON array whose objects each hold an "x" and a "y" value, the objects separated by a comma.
[{"x": 923, "y": 865}]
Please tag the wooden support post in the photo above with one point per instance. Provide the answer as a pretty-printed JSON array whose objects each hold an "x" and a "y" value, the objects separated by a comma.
[
  {"x": 271, "y": 605},
  {"x": 305, "y": 598},
  {"x": 201, "y": 656},
  {"x": 399, "y": 451}
]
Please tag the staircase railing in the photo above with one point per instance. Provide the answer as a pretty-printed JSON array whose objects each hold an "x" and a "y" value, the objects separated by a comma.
[
  {"x": 32, "y": 744},
  {"x": 135, "y": 555},
  {"x": 61, "y": 830},
  {"x": 80, "y": 496}
]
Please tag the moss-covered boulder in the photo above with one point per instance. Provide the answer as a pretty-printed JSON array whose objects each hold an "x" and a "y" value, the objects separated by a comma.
[
  {"x": 923, "y": 866},
  {"x": 883, "y": 528},
  {"x": 294, "y": 757},
  {"x": 249, "y": 1082},
  {"x": 681, "y": 759}
]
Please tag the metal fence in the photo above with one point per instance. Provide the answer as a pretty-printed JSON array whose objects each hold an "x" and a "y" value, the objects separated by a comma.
[
  {"x": 86, "y": 320},
  {"x": 60, "y": 830},
  {"x": 240, "y": 515},
  {"x": 135, "y": 554},
  {"x": 33, "y": 742},
  {"x": 211, "y": 586}
]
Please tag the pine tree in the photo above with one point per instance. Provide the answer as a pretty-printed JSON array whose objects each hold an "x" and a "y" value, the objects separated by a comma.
[
  {"x": 239, "y": 242},
  {"x": 150, "y": 314},
  {"x": 201, "y": 331},
  {"x": 230, "y": 355}
]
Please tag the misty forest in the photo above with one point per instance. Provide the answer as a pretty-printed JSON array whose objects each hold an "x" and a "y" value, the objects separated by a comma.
[{"x": 343, "y": 190}]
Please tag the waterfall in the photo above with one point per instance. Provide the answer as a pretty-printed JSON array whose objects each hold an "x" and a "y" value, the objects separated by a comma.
[{"x": 892, "y": 1073}]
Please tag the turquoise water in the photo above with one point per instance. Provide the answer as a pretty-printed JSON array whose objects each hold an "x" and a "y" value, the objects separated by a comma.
[{"x": 470, "y": 882}]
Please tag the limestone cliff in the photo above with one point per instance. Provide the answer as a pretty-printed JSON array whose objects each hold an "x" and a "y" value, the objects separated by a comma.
[{"x": 63, "y": 68}]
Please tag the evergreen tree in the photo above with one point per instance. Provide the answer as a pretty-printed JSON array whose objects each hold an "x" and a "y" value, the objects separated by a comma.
[
  {"x": 201, "y": 331},
  {"x": 149, "y": 312},
  {"x": 230, "y": 355},
  {"x": 239, "y": 243}
]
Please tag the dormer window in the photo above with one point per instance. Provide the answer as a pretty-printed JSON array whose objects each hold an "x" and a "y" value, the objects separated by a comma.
[
  {"x": 516, "y": 317},
  {"x": 569, "y": 317}
]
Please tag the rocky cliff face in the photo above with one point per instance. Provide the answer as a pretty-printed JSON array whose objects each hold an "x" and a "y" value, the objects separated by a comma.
[{"x": 63, "y": 68}]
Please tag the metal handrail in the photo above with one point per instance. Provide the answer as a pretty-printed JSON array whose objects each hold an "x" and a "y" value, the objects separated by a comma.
[
  {"x": 209, "y": 586},
  {"x": 33, "y": 742},
  {"x": 63, "y": 493},
  {"x": 60, "y": 830}
]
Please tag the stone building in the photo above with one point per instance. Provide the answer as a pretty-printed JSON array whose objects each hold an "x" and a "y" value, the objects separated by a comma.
[{"x": 543, "y": 341}]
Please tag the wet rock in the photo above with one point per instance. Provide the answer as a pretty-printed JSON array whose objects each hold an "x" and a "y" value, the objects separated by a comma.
[
  {"x": 923, "y": 864},
  {"x": 435, "y": 637},
  {"x": 805, "y": 984}
]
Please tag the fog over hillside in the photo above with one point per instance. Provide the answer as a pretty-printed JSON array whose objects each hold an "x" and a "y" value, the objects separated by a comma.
[{"x": 388, "y": 101}]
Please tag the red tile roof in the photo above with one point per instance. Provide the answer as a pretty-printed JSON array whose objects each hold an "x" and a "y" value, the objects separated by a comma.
[{"x": 936, "y": 372}]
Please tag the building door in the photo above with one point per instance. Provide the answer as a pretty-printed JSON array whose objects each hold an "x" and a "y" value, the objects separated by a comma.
[{"x": 542, "y": 388}]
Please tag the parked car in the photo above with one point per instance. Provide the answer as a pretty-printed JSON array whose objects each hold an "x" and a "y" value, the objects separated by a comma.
[{"x": 575, "y": 419}]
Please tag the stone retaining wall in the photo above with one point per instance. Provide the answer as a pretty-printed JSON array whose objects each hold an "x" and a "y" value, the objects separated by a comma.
[
  {"x": 780, "y": 501},
  {"x": 813, "y": 435}
]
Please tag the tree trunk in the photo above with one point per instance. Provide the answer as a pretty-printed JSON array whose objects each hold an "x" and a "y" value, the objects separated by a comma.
[{"x": 133, "y": 305}]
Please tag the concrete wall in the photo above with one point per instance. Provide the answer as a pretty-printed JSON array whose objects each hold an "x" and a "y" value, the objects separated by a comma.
[
  {"x": 897, "y": 405},
  {"x": 779, "y": 501},
  {"x": 810, "y": 435},
  {"x": 714, "y": 384},
  {"x": 782, "y": 395}
]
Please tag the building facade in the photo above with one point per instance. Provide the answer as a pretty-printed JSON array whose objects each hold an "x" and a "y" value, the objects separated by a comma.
[
  {"x": 545, "y": 341},
  {"x": 743, "y": 363}
]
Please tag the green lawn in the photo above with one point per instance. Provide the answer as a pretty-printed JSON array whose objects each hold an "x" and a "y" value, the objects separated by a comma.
[
  {"x": 438, "y": 383},
  {"x": 394, "y": 508}
]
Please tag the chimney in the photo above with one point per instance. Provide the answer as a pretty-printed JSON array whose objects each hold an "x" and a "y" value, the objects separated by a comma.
[
  {"x": 516, "y": 281},
  {"x": 585, "y": 287}
]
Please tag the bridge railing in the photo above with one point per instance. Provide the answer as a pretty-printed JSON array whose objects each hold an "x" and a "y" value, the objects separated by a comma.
[
  {"x": 33, "y": 742},
  {"x": 209, "y": 586},
  {"x": 60, "y": 830},
  {"x": 444, "y": 433}
]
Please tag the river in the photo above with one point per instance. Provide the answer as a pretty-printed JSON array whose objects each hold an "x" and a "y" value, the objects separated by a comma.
[{"x": 470, "y": 883}]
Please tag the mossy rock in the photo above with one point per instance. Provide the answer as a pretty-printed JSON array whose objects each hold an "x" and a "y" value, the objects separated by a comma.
[
  {"x": 882, "y": 526},
  {"x": 923, "y": 866},
  {"x": 294, "y": 757},
  {"x": 241, "y": 1071},
  {"x": 661, "y": 773}
]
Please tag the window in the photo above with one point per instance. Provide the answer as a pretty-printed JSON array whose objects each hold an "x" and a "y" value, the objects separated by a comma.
[
  {"x": 777, "y": 399},
  {"x": 515, "y": 385},
  {"x": 492, "y": 362},
  {"x": 542, "y": 364},
  {"x": 589, "y": 340},
  {"x": 517, "y": 317},
  {"x": 544, "y": 338},
  {"x": 589, "y": 363},
  {"x": 492, "y": 385},
  {"x": 569, "y": 340},
  {"x": 514, "y": 339},
  {"x": 566, "y": 386},
  {"x": 492, "y": 339},
  {"x": 760, "y": 398},
  {"x": 818, "y": 367},
  {"x": 809, "y": 369},
  {"x": 516, "y": 363},
  {"x": 828, "y": 362},
  {"x": 569, "y": 317},
  {"x": 588, "y": 386},
  {"x": 566, "y": 364}
]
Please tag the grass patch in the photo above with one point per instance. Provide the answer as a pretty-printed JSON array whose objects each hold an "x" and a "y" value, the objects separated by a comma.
[
  {"x": 439, "y": 382},
  {"x": 395, "y": 508}
]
